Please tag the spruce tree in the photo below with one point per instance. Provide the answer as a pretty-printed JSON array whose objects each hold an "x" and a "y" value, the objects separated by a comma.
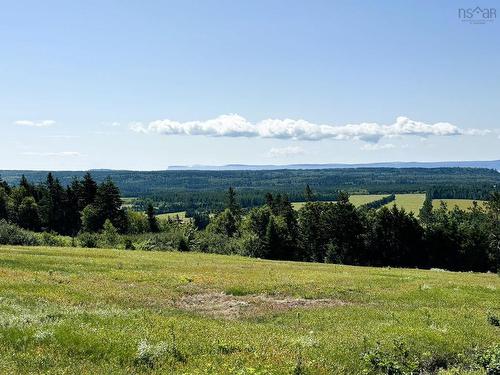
[
  {"x": 152, "y": 221},
  {"x": 425, "y": 214},
  {"x": 232, "y": 202},
  {"x": 89, "y": 187},
  {"x": 309, "y": 195}
]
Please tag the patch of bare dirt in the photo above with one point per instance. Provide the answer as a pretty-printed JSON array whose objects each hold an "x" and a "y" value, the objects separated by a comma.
[{"x": 226, "y": 306}]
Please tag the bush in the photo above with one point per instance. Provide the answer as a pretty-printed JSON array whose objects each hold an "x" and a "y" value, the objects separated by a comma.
[
  {"x": 87, "y": 239},
  {"x": 109, "y": 236},
  {"x": 494, "y": 320},
  {"x": 52, "y": 239},
  {"x": 490, "y": 360},
  {"x": 129, "y": 245},
  {"x": 158, "y": 242},
  {"x": 398, "y": 361},
  {"x": 210, "y": 242},
  {"x": 11, "y": 234}
]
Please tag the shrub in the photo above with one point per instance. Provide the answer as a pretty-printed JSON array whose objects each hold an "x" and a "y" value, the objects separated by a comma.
[
  {"x": 494, "y": 320},
  {"x": 159, "y": 242},
  {"x": 52, "y": 239},
  {"x": 109, "y": 236},
  {"x": 210, "y": 242},
  {"x": 129, "y": 244},
  {"x": 175, "y": 237},
  {"x": 490, "y": 360},
  {"x": 11, "y": 234},
  {"x": 398, "y": 361},
  {"x": 150, "y": 355},
  {"x": 87, "y": 239}
]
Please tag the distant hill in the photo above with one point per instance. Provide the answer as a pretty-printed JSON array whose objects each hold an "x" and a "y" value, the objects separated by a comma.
[
  {"x": 489, "y": 164},
  {"x": 323, "y": 179}
]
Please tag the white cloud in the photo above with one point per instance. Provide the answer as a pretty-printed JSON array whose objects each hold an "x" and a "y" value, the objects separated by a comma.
[
  {"x": 377, "y": 146},
  {"x": 36, "y": 124},
  {"x": 233, "y": 125},
  {"x": 277, "y": 152},
  {"x": 477, "y": 131},
  {"x": 71, "y": 154}
]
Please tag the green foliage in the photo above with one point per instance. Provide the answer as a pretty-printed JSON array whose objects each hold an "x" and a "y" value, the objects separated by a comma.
[
  {"x": 493, "y": 320},
  {"x": 137, "y": 222},
  {"x": 490, "y": 360},
  {"x": 90, "y": 219},
  {"x": 175, "y": 237},
  {"x": 4, "y": 212},
  {"x": 109, "y": 235},
  {"x": 88, "y": 239},
  {"x": 28, "y": 215},
  {"x": 11, "y": 234},
  {"x": 225, "y": 223},
  {"x": 426, "y": 215},
  {"x": 397, "y": 361},
  {"x": 129, "y": 245},
  {"x": 53, "y": 239},
  {"x": 152, "y": 221}
]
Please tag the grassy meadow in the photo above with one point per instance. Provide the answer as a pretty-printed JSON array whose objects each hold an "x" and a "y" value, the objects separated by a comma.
[
  {"x": 71, "y": 310},
  {"x": 463, "y": 204},
  {"x": 411, "y": 202},
  {"x": 172, "y": 215},
  {"x": 356, "y": 199}
]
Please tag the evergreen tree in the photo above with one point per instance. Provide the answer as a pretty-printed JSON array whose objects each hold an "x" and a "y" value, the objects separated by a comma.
[
  {"x": 4, "y": 213},
  {"x": 308, "y": 193},
  {"x": 53, "y": 205},
  {"x": 494, "y": 217},
  {"x": 269, "y": 199},
  {"x": 232, "y": 202},
  {"x": 425, "y": 215},
  {"x": 108, "y": 203},
  {"x": 28, "y": 214},
  {"x": 152, "y": 221},
  {"x": 89, "y": 187},
  {"x": 91, "y": 220},
  {"x": 71, "y": 210},
  {"x": 110, "y": 234}
]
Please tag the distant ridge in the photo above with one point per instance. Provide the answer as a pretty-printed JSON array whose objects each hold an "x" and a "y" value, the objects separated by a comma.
[{"x": 490, "y": 164}]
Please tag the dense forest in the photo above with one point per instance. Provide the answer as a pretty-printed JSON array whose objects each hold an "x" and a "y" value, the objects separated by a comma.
[
  {"x": 172, "y": 190},
  {"x": 91, "y": 214}
]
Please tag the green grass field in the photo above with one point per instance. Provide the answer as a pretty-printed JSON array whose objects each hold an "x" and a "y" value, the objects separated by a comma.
[
  {"x": 357, "y": 200},
  {"x": 410, "y": 202},
  {"x": 81, "y": 311},
  {"x": 172, "y": 215},
  {"x": 463, "y": 204}
]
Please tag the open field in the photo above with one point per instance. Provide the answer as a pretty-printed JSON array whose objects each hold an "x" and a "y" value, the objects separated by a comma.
[
  {"x": 410, "y": 202},
  {"x": 356, "y": 199},
  {"x": 172, "y": 215},
  {"x": 70, "y": 310},
  {"x": 463, "y": 204},
  {"x": 413, "y": 202}
]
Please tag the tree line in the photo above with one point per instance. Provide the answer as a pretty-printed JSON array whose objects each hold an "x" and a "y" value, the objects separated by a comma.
[
  {"x": 172, "y": 191},
  {"x": 337, "y": 232},
  {"x": 83, "y": 205}
]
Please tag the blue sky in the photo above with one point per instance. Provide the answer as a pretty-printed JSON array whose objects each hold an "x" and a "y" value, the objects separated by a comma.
[{"x": 148, "y": 84}]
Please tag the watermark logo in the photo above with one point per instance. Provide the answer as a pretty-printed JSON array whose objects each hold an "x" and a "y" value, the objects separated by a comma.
[{"x": 477, "y": 15}]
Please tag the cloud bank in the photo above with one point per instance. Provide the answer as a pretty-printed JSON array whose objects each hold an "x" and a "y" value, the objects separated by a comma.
[
  {"x": 233, "y": 125},
  {"x": 36, "y": 124}
]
